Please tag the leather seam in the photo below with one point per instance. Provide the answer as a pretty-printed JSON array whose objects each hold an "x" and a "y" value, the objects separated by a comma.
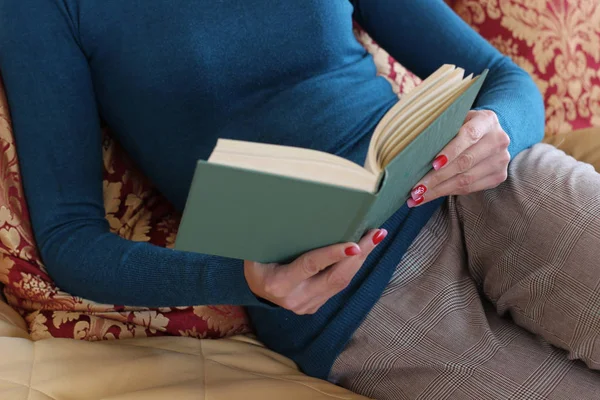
[{"x": 279, "y": 379}]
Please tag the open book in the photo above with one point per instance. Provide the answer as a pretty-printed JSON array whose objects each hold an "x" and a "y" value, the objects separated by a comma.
[{"x": 271, "y": 203}]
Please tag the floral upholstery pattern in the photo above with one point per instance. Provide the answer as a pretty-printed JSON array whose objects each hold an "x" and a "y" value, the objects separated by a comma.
[{"x": 557, "y": 42}]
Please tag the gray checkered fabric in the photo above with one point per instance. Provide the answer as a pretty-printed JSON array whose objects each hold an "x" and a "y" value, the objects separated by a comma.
[{"x": 497, "y": 298}]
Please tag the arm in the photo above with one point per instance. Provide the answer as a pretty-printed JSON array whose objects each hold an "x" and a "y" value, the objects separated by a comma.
[
  {"x": 58, "y": 139},
  {"x": 425, "y": 34}
]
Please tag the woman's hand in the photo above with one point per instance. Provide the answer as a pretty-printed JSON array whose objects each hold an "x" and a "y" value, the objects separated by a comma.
[
  {"x": 476, "y": 159},
  {"x": 304, "y": 285}
]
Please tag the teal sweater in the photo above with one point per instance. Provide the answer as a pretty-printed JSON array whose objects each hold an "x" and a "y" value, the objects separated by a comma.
[{"x": 170, "y": 78}]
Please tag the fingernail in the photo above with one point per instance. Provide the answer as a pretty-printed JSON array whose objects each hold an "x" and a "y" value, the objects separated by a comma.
[
  {"x": 418, "y": 191},
  {"x": 379, "y": 236},
  {"x": 415, "y": 202},
  {"x": 352, "y": 250},
  {"x": 439, "y": 162}
]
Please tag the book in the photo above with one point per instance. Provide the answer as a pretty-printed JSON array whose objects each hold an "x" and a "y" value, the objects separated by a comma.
[{"x": 271, "y": 203}]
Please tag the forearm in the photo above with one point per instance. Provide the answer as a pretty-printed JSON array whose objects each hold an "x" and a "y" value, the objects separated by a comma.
[
  {"x": 424, "y": 34},
  {"x": 513, "y": 96},
  {"x": 85, "y": 260},
  {"x": 57, "y": 133}
]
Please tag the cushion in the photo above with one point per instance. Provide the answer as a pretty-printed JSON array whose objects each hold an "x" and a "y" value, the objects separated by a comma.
[
  {"x": 11, "y": 323},
  {"x": 583, "y": 144},
  {"x": 149, "y": 368},
  {"x": 557, "y": 42},
  {"x": 401, "y": 79}
]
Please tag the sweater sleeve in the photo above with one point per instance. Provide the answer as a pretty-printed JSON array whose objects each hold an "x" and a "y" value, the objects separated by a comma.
[
  {"x": 58, "y": 139},
  {"x": 425, "y": 34}
]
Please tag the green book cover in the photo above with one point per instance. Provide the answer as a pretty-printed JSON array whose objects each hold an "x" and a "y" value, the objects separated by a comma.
[{"x": 258, "y": 216}]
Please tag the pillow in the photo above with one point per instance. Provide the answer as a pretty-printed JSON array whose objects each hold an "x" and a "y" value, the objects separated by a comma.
[
  {"x": 582, "y": 144},
  {"x": 401, "y": 79},
  {"x": 557, "y": 42}
]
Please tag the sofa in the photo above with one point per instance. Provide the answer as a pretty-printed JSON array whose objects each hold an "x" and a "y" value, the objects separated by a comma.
[
  {"x": 237, "y": 367},
  {"x": 172, "y": 352}
]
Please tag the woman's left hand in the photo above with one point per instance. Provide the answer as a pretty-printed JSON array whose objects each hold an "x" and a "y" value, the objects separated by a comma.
[{"x": 476, "y": 159}]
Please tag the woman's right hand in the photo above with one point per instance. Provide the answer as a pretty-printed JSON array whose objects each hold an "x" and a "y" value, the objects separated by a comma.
[{"x": 304, "y": 285}]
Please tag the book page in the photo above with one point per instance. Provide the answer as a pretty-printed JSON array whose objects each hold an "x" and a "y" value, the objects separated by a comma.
[
  {"x": 275, "y": 150},
  {"x": 382, "y": 131},
  {"x": 293, "y": 162},
  {"x": 412, "y": 131},
  {"x": 425, "y": 105}
]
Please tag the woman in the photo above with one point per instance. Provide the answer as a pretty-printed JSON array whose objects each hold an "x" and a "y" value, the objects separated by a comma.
[{"x": 171, "y": 78}]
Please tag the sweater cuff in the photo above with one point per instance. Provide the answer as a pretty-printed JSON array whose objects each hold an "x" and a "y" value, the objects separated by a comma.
[
  {"x": 513, "y": 147},
  {"x": 231, "y": 287}
]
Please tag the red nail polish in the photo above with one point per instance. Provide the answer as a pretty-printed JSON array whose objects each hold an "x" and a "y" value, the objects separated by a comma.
[
  {"x": 415, "y": 202},
  {"x": 379, "y": 236},
  {"x": 352, "y": 250},
  {"x": 439, "y": 162},
  {"x": 419, "y": 191}
]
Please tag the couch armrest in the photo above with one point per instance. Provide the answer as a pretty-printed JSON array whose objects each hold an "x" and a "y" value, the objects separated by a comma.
[
  {"x": 154, "y": 368},
  {"x": 583, "y": 144},
  {"x": 11, "y": 323}
]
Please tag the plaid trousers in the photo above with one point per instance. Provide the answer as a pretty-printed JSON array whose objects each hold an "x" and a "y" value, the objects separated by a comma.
[{"x": 497, "y": 298}]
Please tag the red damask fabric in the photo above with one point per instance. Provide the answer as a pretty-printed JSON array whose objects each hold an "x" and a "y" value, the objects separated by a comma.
[{"x": 557, "y": 42}]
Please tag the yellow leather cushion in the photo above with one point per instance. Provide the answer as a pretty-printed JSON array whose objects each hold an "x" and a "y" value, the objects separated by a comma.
[
  {"x": 583, "y": 145},
  {"x": 11, "y": 324},
  {"x": 172, "y": 368},
  {"x": 153, "y": 368}
]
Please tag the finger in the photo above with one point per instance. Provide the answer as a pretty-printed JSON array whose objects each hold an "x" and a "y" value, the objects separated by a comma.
[
  {"x": 488, "y": 182},
  {"x": 470, "y": 116},
  {"x": 484, "y": 175},
  {"x": 338, "y": 277},
  {"x": 470, "y": 133},
  {"x": 487, "y": 146},
  {"x": 313, "y": 262},
  {"x": 310, "y": 295}
]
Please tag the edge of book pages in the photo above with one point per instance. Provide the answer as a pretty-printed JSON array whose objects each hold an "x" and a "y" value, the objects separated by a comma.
[{"x": 413, "y": 113}]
